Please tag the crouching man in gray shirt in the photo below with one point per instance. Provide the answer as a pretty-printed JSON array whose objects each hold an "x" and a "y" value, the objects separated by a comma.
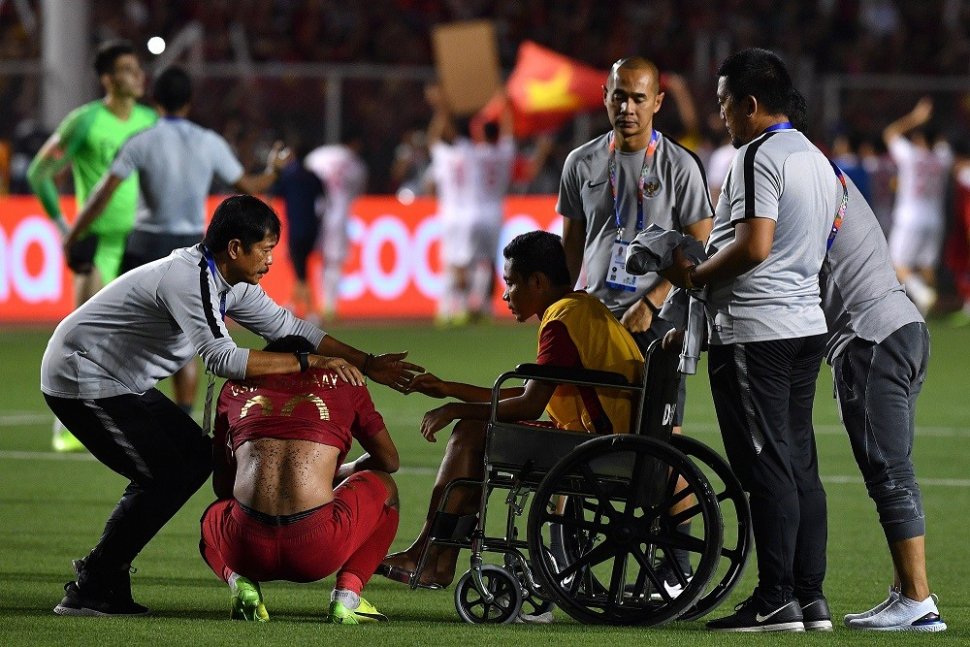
[{"x": 99, "y": 372}]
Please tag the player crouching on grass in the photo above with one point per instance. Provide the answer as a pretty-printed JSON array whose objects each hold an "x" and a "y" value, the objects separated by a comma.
[{"x": 278, "y": 449}]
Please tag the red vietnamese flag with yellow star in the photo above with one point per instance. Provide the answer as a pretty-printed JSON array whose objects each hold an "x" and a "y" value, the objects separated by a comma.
[{"x": 545, "y": 90}]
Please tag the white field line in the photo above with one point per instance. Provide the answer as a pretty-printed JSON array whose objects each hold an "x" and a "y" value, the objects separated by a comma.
[{"x": 837, "y": 479}]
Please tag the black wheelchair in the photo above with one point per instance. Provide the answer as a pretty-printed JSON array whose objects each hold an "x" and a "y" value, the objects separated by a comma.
[{"x": 590, "y": 520}]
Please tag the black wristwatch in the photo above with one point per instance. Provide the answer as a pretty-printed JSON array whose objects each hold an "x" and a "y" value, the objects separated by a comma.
[
  {"x": 650, "y": 306},
  {"x": 304, "y": 357}
]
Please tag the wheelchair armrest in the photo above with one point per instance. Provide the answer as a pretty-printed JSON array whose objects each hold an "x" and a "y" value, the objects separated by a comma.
[
  {"x": 559, "y": 375},
  {"x": 583, "y": 376}
]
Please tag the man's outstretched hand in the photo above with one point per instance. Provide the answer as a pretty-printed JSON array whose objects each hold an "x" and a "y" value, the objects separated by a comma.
[
  {"x": 430, "y": 385},
  {"x": 391, "y": 370}
]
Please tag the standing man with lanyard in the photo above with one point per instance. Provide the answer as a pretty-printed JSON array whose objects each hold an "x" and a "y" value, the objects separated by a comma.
[
  {"x": 88, "y": 139},
  {"x": 780, "y": 203},
  {"x": 175, "y": 161},
  {"x": 615, "y": 186}
]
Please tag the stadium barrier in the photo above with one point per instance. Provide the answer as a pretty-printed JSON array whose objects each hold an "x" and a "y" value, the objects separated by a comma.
[{"x": 391, "y": 271}]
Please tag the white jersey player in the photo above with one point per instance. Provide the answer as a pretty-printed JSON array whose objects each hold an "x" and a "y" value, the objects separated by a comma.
[
  {"x": 916, "y": 237},
  {"x": 471, "y": 180},
  {"x": 344, "y": 175},
  {"x": 493, "y": 159}
]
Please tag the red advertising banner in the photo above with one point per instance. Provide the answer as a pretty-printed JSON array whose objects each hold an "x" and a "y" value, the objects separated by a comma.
[{"x": 392, "y": 268}]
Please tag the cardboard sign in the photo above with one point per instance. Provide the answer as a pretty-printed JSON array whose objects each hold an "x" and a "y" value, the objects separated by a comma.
[{"x": 466, "y": 58}]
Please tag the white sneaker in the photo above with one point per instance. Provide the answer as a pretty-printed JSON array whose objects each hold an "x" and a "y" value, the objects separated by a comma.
[
  {"x": 903, "y": 614},
  {"x": 543, "y": 618},
  {"x": 893, "y": 596},
  {"x": 671, "y": 584}
]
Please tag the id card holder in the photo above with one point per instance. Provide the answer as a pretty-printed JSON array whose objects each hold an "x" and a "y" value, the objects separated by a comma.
[{"x": 616, "y": 275}]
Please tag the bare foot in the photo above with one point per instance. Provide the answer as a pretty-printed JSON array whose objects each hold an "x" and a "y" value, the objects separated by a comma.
[{"x": 400, "y": 567}]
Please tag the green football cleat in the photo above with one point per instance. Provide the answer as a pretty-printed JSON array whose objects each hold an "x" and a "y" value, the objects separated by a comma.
[
  {"x": 64, "y": 442},
  {"x": 364, "y": 613},
  {"x": 246, "y": 602}
]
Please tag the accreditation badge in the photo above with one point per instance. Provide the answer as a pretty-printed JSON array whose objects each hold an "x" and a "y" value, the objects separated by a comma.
[{"x": 616, "y": 275}]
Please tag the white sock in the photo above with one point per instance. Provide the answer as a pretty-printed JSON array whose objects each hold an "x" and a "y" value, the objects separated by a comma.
[
  {"x": 347, "y": 598},
  {"x": 232, "y": 581}
]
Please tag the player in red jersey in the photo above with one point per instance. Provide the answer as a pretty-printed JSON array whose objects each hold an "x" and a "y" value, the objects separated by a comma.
[{"x": 279, "y": 447}]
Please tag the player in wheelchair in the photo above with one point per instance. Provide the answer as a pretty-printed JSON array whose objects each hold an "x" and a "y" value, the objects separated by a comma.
[
  {"x": 575, "y": 331},
  {"x": 603, "y": 506}
]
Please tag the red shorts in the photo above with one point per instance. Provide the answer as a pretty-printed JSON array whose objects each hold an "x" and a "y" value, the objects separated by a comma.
[{"x": 304, "y": 551}]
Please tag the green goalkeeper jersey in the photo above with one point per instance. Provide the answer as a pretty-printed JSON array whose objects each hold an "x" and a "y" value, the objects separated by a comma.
[{"x": 91, "y": 136}]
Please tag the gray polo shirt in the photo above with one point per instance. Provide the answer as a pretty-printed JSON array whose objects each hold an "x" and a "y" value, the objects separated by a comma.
[
  {"x": 861, "y": 296},
  {"x": 149, "y": 322},
  {"x": 675, "y": 196},
  {"x": 779, "y": 175},
  {"x": 176, "y": 161}
]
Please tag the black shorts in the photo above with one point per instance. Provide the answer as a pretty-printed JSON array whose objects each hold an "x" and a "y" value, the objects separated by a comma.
[{"x": 142, "y": 248}]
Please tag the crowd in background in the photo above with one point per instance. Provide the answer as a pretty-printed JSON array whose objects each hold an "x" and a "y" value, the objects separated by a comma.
[{"x": 928, "y": 38}]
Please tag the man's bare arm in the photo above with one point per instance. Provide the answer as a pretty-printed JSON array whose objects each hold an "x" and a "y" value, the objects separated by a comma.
[{"x": 573, "y": 243}]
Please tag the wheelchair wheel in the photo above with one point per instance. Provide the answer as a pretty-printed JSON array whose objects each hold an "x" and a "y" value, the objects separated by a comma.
[
  {"x": 736, "y": 516},
  {"x": 502, "y": 585},
  {"x": 600, "y": 523}
]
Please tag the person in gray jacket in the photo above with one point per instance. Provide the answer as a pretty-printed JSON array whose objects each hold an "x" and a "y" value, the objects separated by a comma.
[{"x": 102, "y": 363}]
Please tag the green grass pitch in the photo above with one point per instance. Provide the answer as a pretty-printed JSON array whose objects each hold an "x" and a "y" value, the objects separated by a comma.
[{"x": 53, "y": 507}]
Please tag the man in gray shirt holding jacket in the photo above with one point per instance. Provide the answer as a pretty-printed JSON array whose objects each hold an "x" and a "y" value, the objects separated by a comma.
[
  {"x": 768, "y": 335},
  {"x": 99, "y": 372},
  {"x": 176, "y": 161}
]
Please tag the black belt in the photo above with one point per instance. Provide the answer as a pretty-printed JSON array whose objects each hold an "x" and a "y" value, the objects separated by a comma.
[{"x": 277, "y": 519}]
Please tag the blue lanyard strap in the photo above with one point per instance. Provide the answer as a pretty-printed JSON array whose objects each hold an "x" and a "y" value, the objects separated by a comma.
[
  {"x": 843, "y": 205},
  {"x": 784, "y": 125},
  {"x": 647, "y": 164},
  {"x": 212, "y": 269}
]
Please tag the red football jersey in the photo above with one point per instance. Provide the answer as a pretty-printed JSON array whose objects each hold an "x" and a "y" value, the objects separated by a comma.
[{"x": 315, "y": 405}]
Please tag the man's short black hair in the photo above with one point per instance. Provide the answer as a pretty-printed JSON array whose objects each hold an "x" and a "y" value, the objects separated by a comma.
[
  {"x": 759, "y": 73},
  {"x": 538, "y": 251},
  {"x": 108, "y": 52},
  {"x": 798, "y": 111},
  {"x": 291, "y": 344},
  {"x": 244, "y": 217},
  {"x": 172, "y": 89}
]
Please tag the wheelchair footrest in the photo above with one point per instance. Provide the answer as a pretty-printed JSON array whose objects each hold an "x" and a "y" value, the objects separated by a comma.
[{"x": 456, "y": 527}]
